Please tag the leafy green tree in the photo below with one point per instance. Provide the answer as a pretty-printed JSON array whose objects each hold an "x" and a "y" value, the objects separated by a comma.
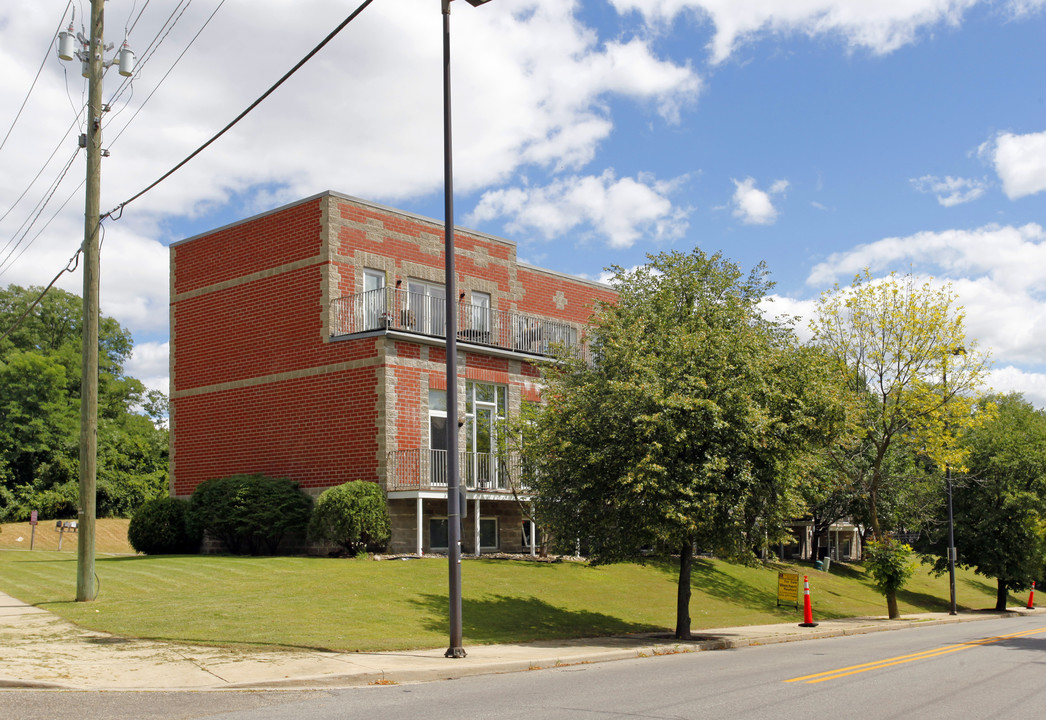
[
  {"x": 697, "y": 417},
  {"x": 890, "y": 563},
  {"x": 1000, "y": 506},
  {"x": 896, "y": 341},
  {"x": 39, "y": 412}
]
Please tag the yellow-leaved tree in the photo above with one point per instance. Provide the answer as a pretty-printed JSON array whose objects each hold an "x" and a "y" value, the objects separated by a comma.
[{"x": 910, "y": 376}]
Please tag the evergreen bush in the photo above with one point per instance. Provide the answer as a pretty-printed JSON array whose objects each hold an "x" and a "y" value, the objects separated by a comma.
[
  {"x": 354, "y": 516},
  {"x": 249, "y": 513},
  {"x": 161, "y": 527}
]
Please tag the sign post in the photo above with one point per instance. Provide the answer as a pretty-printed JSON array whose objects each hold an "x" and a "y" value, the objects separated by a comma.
[
  {"x": 32, "y": 528},
  {"x": 788, "y": 589}
]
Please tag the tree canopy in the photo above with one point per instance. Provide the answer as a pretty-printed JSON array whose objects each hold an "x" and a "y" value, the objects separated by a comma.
[
  {"x": 1000, "y": 505},
  {"x": 40, "y": 413},
  {"x": 692, "y": 427},
  {"x": 910, "y": 377}
]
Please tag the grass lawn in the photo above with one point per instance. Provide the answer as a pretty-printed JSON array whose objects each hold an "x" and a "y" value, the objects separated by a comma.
[{"x": 364, "y": 605}]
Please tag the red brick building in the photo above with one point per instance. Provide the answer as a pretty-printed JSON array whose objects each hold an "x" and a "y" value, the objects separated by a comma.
[{"x": 308, "y": 342}]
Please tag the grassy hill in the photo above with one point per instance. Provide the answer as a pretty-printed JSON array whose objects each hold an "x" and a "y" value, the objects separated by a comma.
[
  {"x": 365, "y": 605},
  {"x": 110, "y": 536}
]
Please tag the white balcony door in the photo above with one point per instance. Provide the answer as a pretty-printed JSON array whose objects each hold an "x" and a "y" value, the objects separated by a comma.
[
  {"x": 426, "y": 308},
  {"x": 373, "y": 298}
]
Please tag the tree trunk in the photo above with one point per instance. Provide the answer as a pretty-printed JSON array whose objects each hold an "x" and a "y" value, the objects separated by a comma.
[
  {"x": 891, "y": 605},
  {"x": 686, "y": 562},
  {"x": 1001, "y": 595}
]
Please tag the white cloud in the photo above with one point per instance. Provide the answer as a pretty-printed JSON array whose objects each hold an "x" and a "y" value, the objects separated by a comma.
[
  {"x": 532, "y": 87},
  {"x": 754, "y": 206},
  {"x": 797, "y": 311},
  {"x": 149, "y": 363},
  {"x": 880, "y": 26},
  {"x": 998, "y": 273},
  {"x": 622, "y": 211},
  {"x": 1020, "y": 161},
  {"x": 950, "y": 191},
  {"x": 1010, "y": 379}
]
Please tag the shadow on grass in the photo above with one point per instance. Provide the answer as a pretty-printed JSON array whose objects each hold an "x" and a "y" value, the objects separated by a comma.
[
  {"x": 707, "y": 578},
  {"x": 503, "y": 618}
]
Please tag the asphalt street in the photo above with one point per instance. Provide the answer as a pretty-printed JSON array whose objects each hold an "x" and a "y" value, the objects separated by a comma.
[{"x": 989, "y": 669}]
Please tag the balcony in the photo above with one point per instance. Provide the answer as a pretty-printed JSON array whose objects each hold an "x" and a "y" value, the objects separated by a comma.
[
  {"x": 427, "y": 470},
  {"x": 418, "y": 314}
]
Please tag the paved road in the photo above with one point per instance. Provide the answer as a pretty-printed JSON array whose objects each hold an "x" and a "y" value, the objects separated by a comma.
[{"x": 991, "y": 669}]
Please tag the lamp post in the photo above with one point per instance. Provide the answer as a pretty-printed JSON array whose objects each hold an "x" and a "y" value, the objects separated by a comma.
[
  {"x": 455, "y": 498},
  {"x": 948, "y": 482}
]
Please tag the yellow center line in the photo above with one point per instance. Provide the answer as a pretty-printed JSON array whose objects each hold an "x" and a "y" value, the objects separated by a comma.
[{"x": 900, "y": 660}]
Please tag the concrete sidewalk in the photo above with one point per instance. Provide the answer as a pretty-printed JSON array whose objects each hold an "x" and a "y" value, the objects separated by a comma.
[{"x": 40, "y": 650}]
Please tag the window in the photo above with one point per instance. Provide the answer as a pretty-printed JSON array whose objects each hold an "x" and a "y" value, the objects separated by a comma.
[
  {"x": 373, "y": 299},
  {"x": 426, "y": 308},
  {"x": 438, "y": 534},
  {"x": 485, "y": 409},
  {"x": 481, "y": 315},
  {"x": 488, "y": 533},
  {"x": 438, "y": 437},
  {"x": 528, "y": 526}
]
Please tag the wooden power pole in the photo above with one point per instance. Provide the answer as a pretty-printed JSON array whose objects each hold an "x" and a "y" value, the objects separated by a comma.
[{"x": 85, "y": 575}]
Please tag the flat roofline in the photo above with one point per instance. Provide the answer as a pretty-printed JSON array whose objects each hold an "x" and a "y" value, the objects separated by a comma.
[{"x": 394, "y": 211}]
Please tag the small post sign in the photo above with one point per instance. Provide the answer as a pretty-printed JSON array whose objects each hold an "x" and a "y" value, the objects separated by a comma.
[
  {"x": 32, "y": 528},
  {"x": 788, "y": 589}
]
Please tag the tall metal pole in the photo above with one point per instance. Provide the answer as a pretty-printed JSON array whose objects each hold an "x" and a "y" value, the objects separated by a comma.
[
  {"x": 453, "y": 477},
  {"x": 85, "y": 585},
  {"x": 951, "y": 517}
]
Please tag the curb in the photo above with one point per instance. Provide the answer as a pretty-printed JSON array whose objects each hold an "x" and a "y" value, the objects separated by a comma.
[{"x": 567, "y": 657}]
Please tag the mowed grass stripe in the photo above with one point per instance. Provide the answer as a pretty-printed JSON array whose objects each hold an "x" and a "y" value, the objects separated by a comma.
[{"x": 360, "y": 604}]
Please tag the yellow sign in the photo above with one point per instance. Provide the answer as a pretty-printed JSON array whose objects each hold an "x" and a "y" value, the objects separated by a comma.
[{"x": 788, "y": 589}]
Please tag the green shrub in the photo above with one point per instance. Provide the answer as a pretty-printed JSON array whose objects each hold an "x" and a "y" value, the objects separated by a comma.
[
  {"x": 249, "y": 512},
  {"x": 354, "y": 516},
  {"x": 161, "y": 527}
]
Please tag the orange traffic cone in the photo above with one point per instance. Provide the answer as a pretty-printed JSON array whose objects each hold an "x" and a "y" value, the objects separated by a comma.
[
  {"x": 1031, "y": 597},
  {"x": 808, "y": 612}
]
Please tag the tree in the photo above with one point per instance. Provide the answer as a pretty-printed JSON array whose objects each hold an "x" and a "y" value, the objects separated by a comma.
[
  {"x": 1000, "y": 506},
  {"x": 691, "y": 428},
  {"x": 39, "y": 412},
  {"x": 896, "y": 341}
]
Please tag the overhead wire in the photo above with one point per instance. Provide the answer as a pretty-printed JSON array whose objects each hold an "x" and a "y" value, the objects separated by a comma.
[
  {"x": 244, "y": 114},
  {"x": 169, "y": 70},
  {"x": 54, "y": 215},
  {"x": 43, "y": 62},
  {"x": 74, "y": 260},
  {"x": 42, "y": 205},
  {"x": 152, "y": 47}
]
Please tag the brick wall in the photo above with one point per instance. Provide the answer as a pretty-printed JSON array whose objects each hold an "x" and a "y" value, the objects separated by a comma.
[{"x": 258, "y": 385}]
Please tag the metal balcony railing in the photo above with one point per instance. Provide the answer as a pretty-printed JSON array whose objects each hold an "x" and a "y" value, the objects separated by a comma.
[
  {"x": 420, "y": 469},
  {"x": 394, "y": 309}
]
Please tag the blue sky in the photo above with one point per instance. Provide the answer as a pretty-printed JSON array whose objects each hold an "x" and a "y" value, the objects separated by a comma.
[{"x": 818, "y": 136}]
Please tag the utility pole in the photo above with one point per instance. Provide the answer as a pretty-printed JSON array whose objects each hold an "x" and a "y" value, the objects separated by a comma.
[{"x": 85, "y": 584}]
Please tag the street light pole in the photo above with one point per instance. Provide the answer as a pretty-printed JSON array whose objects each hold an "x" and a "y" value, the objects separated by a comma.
[
  {"x": 952, "y": 610},
  {"x": 455, "y": 501}
]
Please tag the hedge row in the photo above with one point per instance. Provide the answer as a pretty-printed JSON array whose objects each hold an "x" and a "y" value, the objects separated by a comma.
[{"x": 254, "y": 513}]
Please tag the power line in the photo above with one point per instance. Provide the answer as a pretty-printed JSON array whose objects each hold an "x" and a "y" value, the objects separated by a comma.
[
  {"x": 42, "y": 206},
  {"x": 153, "y": 45},
  {"x": 40, "y": 70},
  {"x": 243, "y": 114},
  {"x": 74, "y": 260},
  {"x": 169, "y": 70}
]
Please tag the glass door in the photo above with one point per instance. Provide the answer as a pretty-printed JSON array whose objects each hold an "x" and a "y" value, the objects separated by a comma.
[{"x": 373, "y": 299}]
